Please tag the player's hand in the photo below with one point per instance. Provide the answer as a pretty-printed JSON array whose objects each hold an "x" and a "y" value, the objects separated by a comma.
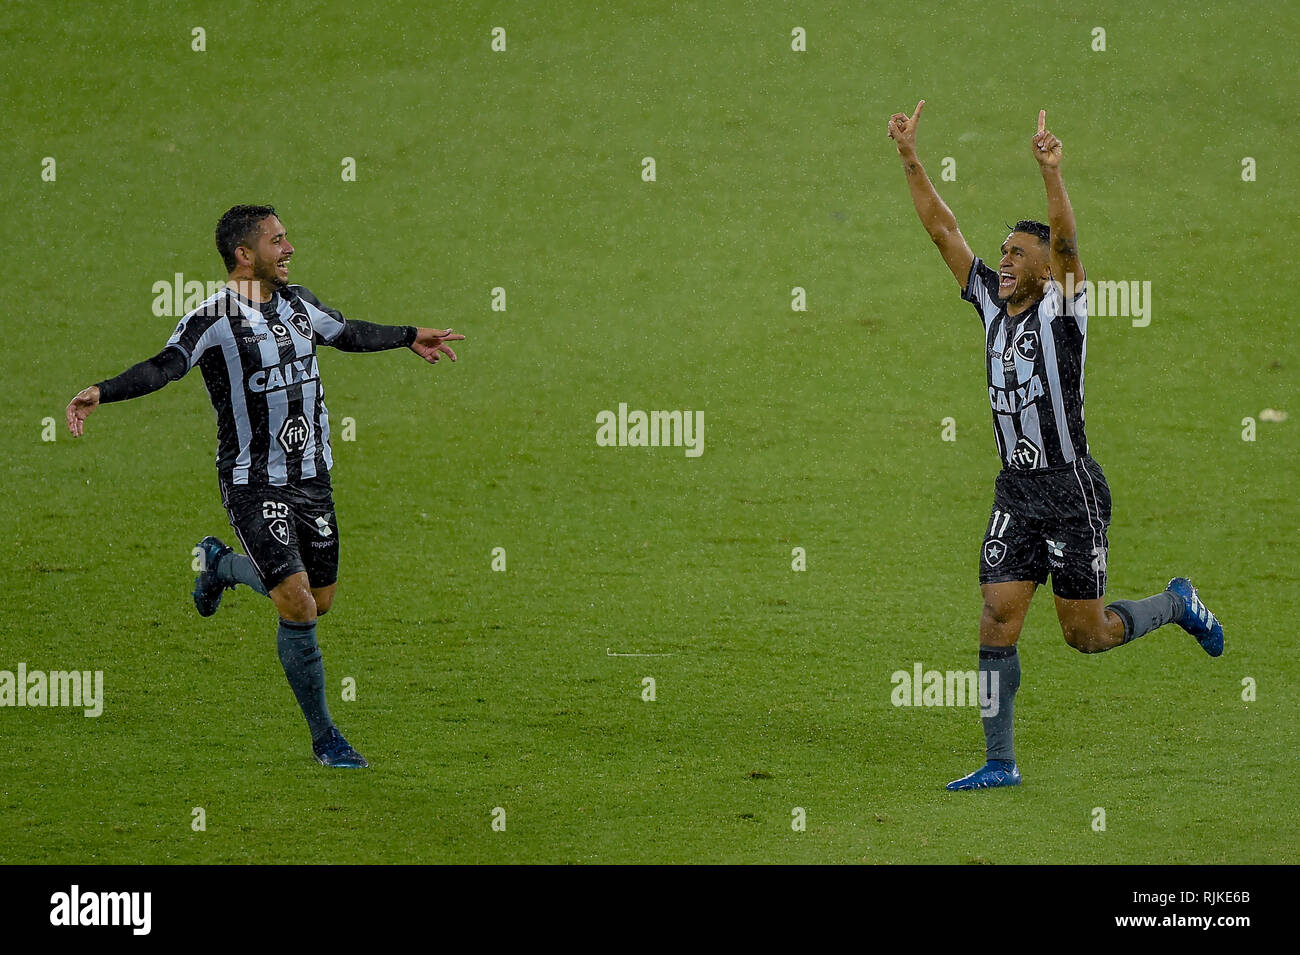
[
  {"x": 430, "y": 344},
  {"x": 80, "y": 407},
  {"x": 1046, "y": 147},
  {"x": 902, "y": 129}
]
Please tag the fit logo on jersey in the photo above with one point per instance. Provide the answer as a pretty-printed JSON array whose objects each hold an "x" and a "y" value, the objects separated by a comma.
[
  {"x": 1025, "y": 454},
  {"x": 1013, "y": 400},
  {"x": 294, "y": 434},
  {"x": 282, "y": 376}
]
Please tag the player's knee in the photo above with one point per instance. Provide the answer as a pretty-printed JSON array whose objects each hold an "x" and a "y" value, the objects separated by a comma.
[
  {"x": 296, "y": 604},
  {"x": 998, "y": 613},
  {"x": 1082, "y": 639},
  {"x": 323, "y": 605}
]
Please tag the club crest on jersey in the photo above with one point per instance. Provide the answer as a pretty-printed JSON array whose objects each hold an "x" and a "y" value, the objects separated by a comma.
[
  {"x": 280, "y": 530},
  {"x": 1025, "y": 454},
  {"x": 294, "y": 434},
  {"x": 1027, "y": 345},
  {"x": 301, "y": 324},
  {"x": 994, "y": 551},
  {"x": 1013, "y": 400}
]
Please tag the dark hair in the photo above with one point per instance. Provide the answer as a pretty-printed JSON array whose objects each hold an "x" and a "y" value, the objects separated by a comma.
[
  {"x": 239, "y": 227},
  {"x": 1035, "y": 228}
]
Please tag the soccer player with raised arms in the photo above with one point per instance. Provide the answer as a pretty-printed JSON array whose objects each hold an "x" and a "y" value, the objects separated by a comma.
[
  {"x": 255, "y": 343},
  {"x": 1051, "y": 503}
]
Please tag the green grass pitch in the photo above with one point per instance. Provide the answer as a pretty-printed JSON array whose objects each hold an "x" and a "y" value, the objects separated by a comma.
[{"x": 522, "y": 170}]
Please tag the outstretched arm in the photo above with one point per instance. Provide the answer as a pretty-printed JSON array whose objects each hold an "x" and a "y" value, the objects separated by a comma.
[
  {"x": 428, "y": 343},
  {"x": 140, "y": 379},
  {"x": 1063, "y": 244},
  {"x": 932, "y": 210}
]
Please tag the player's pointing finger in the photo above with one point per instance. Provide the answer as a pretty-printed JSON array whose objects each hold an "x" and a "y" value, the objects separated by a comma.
[
  {"x": 916, "y": 113},
  {"x": 1042, "y": 120}
]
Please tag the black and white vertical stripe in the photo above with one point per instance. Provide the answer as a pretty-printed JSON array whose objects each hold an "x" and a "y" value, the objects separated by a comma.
[
  {"x": 1035, "y": 373},
  {"x": 253, "y": 360}
]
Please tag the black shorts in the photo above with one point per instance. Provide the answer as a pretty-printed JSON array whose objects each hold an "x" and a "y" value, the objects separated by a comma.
[
  {"x": 286, "y": 530},
  {"x": 1051, "y": 520}
]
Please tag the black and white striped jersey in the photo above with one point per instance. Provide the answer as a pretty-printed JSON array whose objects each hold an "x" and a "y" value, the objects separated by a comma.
[
  {"x": 1035, "y": 372},
  {"x": 259, "y": 365}
]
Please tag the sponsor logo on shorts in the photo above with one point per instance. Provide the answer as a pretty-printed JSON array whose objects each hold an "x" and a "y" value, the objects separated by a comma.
[
  {"x": 994, "y": 551},
  {"x": 1056, "y": 554},
  {"x": 1099, "y": 560},
  {"x": 323, "y": 527},
  {"x": 280, "y": 530}
]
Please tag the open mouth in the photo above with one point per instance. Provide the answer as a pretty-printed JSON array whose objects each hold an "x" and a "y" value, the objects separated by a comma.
[
  {"x": 282, "y": 266},
  {"x": 1006, "y": 281}
]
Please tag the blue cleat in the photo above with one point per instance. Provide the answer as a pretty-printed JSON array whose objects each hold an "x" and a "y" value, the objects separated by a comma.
[
  {"x": 1196, "y": 618},
  {"x": 207, "y": 587},
  {"x": 991, "y": 775},
  {"x": 333, "y": 750}
]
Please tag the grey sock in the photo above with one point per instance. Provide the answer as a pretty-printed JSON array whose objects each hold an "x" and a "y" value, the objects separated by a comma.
[
  {"x": 1143, "y": 616},
  {"x": 999, "y": 680},
  {"x": 235, "y": 568},
  {"x": 300, "y": 657}
]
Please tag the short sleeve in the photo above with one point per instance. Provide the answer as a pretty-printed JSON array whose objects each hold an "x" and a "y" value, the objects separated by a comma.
[
  {"x": 982, "y": 291},
  {"x": 198, "y": 331},
  {"x": 1056, "y": 305},
  {"x": 327, "y": 322}
]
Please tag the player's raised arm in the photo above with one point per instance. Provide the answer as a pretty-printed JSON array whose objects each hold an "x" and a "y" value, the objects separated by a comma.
[
  {"x": 932, "y": 210},
  {"x": 1063, "y": 245}
]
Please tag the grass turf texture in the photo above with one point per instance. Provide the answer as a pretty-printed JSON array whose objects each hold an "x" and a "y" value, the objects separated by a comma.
[{"x": 479, "y": 689}]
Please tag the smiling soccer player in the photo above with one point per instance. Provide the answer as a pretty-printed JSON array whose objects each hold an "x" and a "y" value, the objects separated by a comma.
[
  {"x": 1051, "y": 503},
  {"x": 255, "y": 343}
]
